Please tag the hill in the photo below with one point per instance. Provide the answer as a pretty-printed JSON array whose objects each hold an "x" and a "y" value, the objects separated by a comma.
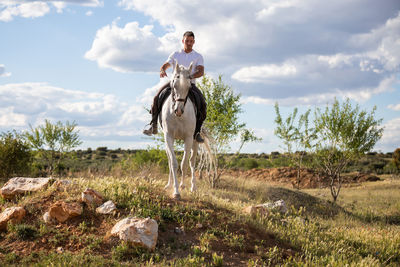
[{"x": 210, "y": 227}]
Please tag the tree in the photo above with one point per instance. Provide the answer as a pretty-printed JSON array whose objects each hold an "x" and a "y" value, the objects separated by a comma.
[
  {"x": 247, "y": 136},
  {"x": 344, "y": 134},
  {"x": 297, "y": 137},
  {"x": 53, "y": 141},
  {"x": 223, "y": 109},
  {"x": 15, "y": 156}
]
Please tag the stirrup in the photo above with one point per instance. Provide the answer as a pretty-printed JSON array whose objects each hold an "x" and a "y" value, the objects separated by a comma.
[
  {"x": 152, "y": 130},
  {"x": 198, "y": 138}
]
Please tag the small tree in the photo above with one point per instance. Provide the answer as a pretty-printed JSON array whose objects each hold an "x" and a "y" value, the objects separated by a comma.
[
  {"x": 15, "y": 156},
  {"x": 53, "y": 141},
  {"x": 297, "y": 137},
  {"x": 247, "y": 136},
  {"x": 344, "y": 133},
  {"x": 223, "y": 109}
]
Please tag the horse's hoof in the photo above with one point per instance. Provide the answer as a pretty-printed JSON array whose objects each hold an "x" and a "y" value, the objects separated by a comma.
[{"x": 177, "y": 196}]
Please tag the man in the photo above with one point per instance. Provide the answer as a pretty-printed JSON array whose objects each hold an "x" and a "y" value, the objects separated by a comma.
[{"x": 183, "y": 57}]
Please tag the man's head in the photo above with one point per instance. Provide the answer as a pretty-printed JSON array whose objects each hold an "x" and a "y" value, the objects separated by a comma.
[{"x": 188, "y": 41}]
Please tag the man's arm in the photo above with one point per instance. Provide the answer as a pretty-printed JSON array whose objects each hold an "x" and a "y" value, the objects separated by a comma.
[
  {"x": 198, "y": 72},
  {"x": 163, "y": 68}
]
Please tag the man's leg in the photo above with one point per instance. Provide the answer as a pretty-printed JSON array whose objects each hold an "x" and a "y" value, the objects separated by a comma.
[
  {"x": 201, "y": 113},
  {"x": 154, "y": 113}
]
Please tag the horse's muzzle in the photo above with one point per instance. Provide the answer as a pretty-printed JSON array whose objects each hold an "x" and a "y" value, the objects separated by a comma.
[{"x": 178, "y": 112}]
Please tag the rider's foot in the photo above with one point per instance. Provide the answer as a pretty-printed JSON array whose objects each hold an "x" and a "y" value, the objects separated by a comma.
[
  {"x": 198, "y": 138},
  {"x": 152, "y": 130}
]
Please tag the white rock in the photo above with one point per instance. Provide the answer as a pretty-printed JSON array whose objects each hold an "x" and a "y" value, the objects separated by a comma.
[
  {"x": 92, "y": 197},
  {"x": 13, "y": 214},
  {"x": 20, "y": 185},
  {"x": 107, "y": 208},
  {"x": 48, "y": 219},
  {"x": 263, "y": 209},
  {"x": 277, "y": 205},
  {"x": 137, "y": 232}
]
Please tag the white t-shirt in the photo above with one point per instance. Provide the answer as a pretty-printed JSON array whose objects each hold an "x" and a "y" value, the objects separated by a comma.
[{"x": 185, "y": 59}]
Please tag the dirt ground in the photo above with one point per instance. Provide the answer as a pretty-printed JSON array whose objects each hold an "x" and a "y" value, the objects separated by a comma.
[{"x": 308, "y": 178}]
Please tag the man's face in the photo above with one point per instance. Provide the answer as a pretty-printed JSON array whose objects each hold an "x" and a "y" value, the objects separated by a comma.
[{"x": 188, "y": 42}]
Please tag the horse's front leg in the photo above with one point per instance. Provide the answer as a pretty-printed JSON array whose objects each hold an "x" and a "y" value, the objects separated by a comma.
[
  {"x": 185, "y": 159},
  {"x": 193, "y": 165},
  {"x": 173, "y": 163},
  {"x": 169, "y": 184}
]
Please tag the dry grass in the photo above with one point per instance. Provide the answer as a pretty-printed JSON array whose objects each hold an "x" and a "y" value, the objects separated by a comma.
[{"x": 361, "y": 229}]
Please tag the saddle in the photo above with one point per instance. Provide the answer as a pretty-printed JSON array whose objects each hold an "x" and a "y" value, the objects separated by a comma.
[{"x": 193, "y": 96}]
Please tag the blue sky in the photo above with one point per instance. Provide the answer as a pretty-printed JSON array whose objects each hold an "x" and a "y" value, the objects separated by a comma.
[{"x": 96, "y": 62}]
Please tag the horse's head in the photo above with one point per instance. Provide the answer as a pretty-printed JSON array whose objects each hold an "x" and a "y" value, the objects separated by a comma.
[{"x": 180, "y": 85}]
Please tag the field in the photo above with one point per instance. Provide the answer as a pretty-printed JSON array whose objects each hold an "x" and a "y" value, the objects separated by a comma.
[{"x": 209, "y": 228}]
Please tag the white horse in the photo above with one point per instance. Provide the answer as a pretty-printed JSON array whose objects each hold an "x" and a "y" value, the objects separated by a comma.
[{"x": 178, "y": 121}]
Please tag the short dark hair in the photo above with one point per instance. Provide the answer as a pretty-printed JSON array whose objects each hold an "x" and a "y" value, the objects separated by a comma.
[{"x": 188, "y": 34}]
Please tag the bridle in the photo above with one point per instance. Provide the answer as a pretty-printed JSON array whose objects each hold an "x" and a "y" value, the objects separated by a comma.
[{"x": 174, "y": 99}]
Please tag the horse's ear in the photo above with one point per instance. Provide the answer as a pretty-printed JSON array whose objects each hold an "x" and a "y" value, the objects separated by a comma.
[
  {"x": 190, "y": 67},
  {"x": 176, "y": 67}
]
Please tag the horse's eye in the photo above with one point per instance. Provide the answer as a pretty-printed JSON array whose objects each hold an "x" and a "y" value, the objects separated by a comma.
[{"x": 177, "y": 76}]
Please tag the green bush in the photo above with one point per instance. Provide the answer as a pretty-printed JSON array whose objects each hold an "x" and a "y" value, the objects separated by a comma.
[
  {"x": 136, "y": 161},
  {"x": 24, "y": 231},
  {"x": 15, "y": 155}
]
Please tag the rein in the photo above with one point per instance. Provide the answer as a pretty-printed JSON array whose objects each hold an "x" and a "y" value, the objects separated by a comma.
[{"x": 184, "y": 100}]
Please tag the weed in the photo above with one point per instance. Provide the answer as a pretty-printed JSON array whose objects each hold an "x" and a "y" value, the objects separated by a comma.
[
  {"x": 11, "y": 258},
  {"x": 24, "y": 231},
  {"x": 217, "y": 260},
  {"x": 125, "y": 252}
]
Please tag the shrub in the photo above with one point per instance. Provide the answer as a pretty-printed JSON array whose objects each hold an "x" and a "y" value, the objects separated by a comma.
[
  {"x": 15, "y": 156},
  {"x": 24, "y": 231}
]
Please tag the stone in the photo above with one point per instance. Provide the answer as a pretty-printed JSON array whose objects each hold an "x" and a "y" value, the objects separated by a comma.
[
  {"x": 48, "y": 219},
  {"x": 256, "y": 209},
  {"x": 264, "y": 209},
  {"x": 279, "y": 205},
  {"x": 62, "y": 211},
  {"x": 21, "y": 185},
  {"x": 137, "y": 232},
  {"x": 199, "y": 225},
  {"x": 92, "y": 197},
  {"x": 107, "y": 208},
  {"x": 13, "y": 215}
]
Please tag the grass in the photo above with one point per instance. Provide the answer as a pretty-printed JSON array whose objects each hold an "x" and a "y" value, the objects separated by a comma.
[{"x": 361, "y": 229}]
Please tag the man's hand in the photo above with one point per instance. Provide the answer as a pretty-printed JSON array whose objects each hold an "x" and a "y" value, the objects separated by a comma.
[{"x": 163, "y": 73}]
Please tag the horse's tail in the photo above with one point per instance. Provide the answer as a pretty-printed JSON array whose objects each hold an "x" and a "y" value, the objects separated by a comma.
[{"x": 208, "y": 158}]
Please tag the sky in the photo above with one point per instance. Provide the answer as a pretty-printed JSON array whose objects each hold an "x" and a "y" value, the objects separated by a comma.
[{"x": 97, "y": 62}]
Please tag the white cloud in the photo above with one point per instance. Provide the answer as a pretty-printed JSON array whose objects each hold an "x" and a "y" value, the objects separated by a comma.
[
  {"x": 264, "y": 73},
  {"x": 98, "y": 115},
  {"x": 323, "y": 98},
  {"x": 394, "y": 107},
  {"x": 8, "y": 118},
  {"x": 284, "y": 49},
  {"x": 391, "y": 136},
  {"x": 89, "y": 13},
  {"x": 25, "y": 10},
  {"x": 37, "y": 8},
  {"x": 130, "y": 48},
  {"x": 3, "y": 72}
]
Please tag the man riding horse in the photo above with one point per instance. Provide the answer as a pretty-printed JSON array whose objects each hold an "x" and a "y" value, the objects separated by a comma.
[{"x": 184, "y": 57}]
